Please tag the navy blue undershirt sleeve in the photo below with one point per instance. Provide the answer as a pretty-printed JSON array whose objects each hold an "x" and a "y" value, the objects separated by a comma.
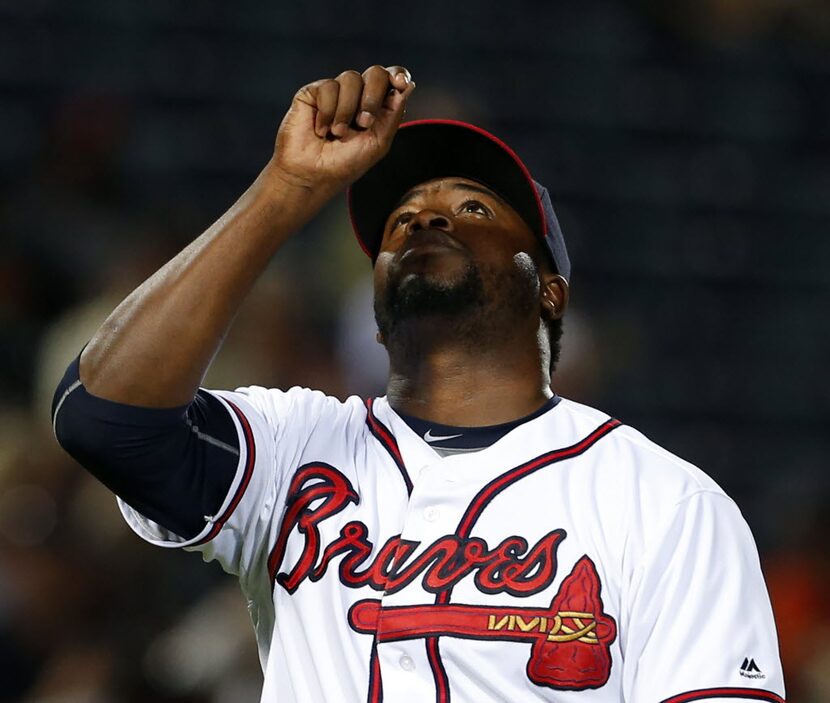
[{"x": 173, "y": 465}]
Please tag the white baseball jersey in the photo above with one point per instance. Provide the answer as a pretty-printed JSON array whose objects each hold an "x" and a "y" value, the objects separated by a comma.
[{"x": 573, "y": 560}]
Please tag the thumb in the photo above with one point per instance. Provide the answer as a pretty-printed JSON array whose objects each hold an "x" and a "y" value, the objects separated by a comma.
[{"x": 391, "y": 114}]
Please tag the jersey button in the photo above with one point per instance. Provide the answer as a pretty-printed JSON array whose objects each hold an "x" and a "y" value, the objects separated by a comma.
[
  {"x": 431, "y": 514},
  {"x": 406, "y": 663}
]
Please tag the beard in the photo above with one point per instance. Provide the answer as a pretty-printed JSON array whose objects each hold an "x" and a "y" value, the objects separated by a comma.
[
  {"x": 417, "y": 297},
  {"x": 464, "y": 301}
]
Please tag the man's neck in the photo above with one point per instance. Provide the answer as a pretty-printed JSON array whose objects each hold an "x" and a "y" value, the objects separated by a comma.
[{"x": 458, "y": 385}]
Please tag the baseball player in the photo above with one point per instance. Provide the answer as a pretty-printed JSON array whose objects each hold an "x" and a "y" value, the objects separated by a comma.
[{"x": 470, "y": 536}]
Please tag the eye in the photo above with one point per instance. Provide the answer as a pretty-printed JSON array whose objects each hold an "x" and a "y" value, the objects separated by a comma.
[
  {"x": 403, "y": 218},
  {"x": 475, "y": 206}
]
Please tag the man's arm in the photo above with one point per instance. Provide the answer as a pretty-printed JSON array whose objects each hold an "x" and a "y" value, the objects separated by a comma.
[
  {"x": 155, "y": 348},
  {"x": 129, "y": 410}
]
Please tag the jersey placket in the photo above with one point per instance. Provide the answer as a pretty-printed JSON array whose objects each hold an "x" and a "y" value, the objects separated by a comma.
[
  {"x": 403, "y": 666},
  {"x": 408, "y": 669}
]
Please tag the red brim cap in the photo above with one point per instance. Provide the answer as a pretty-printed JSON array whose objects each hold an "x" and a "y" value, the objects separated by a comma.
[{"x": 427, "y": 149}]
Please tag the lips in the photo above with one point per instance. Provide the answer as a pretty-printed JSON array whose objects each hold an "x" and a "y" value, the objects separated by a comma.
[{"x": 426, "y": 241}]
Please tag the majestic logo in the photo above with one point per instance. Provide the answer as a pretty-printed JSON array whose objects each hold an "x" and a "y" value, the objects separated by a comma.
[
  {"x": 570, "y": 639},
  {"x": 750, "y": 670}
]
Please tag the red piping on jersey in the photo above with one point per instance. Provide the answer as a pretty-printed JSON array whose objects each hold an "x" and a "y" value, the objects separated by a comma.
[
  {"x": 250, "y": 451},
  {"x": 442, "y": 683},
  {"x": 486, "y": 494},
  {"x": 753, "y": 694},
  {"x": 385, "y": 437},
  {"x": 375, "y": 683},
  {"x": 388, "y": 441}
]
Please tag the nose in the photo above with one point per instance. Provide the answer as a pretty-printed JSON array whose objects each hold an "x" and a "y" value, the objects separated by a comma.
[{"x": 429, "y": 219}]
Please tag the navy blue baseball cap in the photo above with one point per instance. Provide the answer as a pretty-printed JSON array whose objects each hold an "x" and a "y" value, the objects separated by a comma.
[{"x": 427, "y": 149}]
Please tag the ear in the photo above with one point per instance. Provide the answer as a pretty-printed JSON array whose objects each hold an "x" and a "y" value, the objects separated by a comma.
[{"x": 554, "y": 294}]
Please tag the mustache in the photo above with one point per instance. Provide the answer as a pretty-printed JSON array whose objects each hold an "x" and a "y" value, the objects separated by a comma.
[{"x": 427, "y": 237}]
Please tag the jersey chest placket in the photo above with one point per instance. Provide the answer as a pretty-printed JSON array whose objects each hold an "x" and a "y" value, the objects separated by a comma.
[
  {"x": 442, "y": 513},
  {"x": 409, "y": 668}
]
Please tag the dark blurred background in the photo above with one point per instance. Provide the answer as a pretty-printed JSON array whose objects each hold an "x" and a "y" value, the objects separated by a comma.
[{"x": 686, "y": 147}]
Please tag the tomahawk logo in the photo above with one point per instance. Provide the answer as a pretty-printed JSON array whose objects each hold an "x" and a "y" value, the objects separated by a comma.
[
  {"x": 570, "y": 640},
  {"x": 750, "y": 670}
]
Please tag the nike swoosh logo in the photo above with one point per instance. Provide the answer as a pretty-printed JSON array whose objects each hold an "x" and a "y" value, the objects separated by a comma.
[{"x": 429, "y": 437}]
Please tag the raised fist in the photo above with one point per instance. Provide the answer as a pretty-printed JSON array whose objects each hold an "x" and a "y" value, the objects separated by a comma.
[{"x": 337, "y": 128}]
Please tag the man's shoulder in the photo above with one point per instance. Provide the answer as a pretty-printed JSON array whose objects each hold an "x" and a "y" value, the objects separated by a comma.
[
  {"x": 630, "y": 454},
  {"x": 298, "y": 405}
]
